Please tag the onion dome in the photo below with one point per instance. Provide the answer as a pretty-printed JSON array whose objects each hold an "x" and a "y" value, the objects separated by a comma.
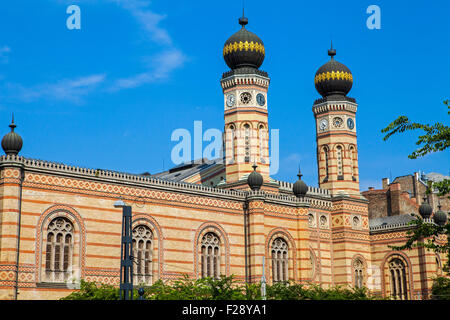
[
  {"x": 425, "y": 209},
  {"x": 300, "y": 188},
  {"x": 255, "y": 179},
  {"x": 244, "y": 48},
  {"x": 440, "y": 217},
  {"x": 12, "y": 142},
  {"x": 333, "y": 78}
]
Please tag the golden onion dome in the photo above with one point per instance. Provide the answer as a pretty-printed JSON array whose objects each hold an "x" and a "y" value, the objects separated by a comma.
[
  {"x": 333, "y": 78},
  {"x": 244, "y": 48}
]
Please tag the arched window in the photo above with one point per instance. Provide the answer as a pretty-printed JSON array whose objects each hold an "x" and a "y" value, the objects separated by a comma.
[
  {"x": 358, "y": 271},
  {"x": 353, "y": 162},
  {"x": 280, "y": 260},
  {"x": 326, "y": 156},
  {"x": 232, "y": 137},
  {"x": 59, "y": 250},
  {"x": 210, "y": 249},
  {"x": 261, "y": 143},
  {"x": 143, "y": 255},
  {"x": 398, "y": 280},
  {"x": 339, "y": 163},
  {"x": 312, "y": 261},
  {"x": 438, "y": 265},
  {"x": 247, "y": 142}
]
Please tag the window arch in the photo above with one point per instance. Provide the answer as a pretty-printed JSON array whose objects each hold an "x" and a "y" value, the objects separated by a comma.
[
  {"x": 358, "y": 273},
  {"x": 339, "y": 155},
  {"x": 143, "y": 255},
  {"x": 438, "y": 265},
  {"x": 231, "y": 138},
  {"x": 59, "y": 250},
  {"x": 280, "y": 260},
  {"x": 247, "y": 142},
  {"x": 210, "y": 255},
  {"x": 326, "y": 162},
  {"x": 398, "y": 279},
  {"x": 312, "y": 261},
  {"x": 353, "y": 162},
  {"x": 261, "y": 133}
]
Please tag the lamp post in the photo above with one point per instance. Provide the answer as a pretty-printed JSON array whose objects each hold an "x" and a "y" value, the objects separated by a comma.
[
  {"x": 126, "y": 250},
  {"x": 263, "y": 280}
]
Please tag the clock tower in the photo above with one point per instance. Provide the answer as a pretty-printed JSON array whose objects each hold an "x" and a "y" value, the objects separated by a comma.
[
  {"x": 246, "y": 137},
  {"x": 337, "y": 149}
]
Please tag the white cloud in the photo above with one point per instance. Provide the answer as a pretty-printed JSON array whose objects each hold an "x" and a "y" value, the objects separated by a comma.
[
  {"x": 72, "y": 90},
  {"x": 4, "y": 54},
  {"x": 147, "y": 19},
  {"x": 161, "y": 65}
]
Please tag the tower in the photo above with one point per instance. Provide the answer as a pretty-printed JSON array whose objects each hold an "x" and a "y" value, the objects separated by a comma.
[
  {"x": 245, "y": 106},
  {"x": 337, "y": 155}
]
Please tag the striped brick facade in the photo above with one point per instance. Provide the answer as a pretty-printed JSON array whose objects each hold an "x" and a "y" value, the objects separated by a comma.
[{"x": 318, "y": 228}]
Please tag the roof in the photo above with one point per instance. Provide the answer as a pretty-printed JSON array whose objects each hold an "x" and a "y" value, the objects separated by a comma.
[
  {"x": 391, "y": 221},
  {"x": 187, "y": 169}
]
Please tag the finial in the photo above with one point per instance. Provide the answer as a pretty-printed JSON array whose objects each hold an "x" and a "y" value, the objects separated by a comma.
[
  {"x": 332, "y": 52},
  {"x": 243, "y": 21},
  {"x": 254, "y": 166},
  {"x": 299, "y": 175},
  {"x": 12, "y": 125}
]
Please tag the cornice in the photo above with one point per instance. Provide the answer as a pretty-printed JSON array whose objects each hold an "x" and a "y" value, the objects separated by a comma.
[{"x": 324, "y": 106}]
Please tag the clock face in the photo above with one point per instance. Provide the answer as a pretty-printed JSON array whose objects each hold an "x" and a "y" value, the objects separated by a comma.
[
  {"x": 231, "y": 99},
  {"x": 261, "y": 99},
  {"x": 350, "y": 123},
  {"x": 246, "y": 97},
  {"x": 338, "y": 122},
  {"x": 323, "y": 124}
]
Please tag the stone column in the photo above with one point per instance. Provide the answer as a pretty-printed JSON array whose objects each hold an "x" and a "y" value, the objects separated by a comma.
[
  {"x": 10, "y": 207},
  {"x": 302, "y": 243},
  {"x": 256, "y": 235}
]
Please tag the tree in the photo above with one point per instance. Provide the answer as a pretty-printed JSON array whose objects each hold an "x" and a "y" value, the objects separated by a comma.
[
  {"x": 434, "y": 237},
  {"x": 224, "y": 288},
  {"x": 435, "y": 138}
]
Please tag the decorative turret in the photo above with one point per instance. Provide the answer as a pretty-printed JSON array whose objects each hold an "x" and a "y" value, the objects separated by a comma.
[
  {"x": 245, "y": 89},
  {"x": 12, "y": 142},
  {"x": 440, "y": 217},
  {"x": 425, "y": 210},
  {"x": 335, "y": 113},
  {"x": 255, "y": 179},
  {"x": 300, "y": 188}
]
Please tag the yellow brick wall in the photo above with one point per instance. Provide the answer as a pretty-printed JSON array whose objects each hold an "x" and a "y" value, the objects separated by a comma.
[{"x": 178, "y": 221}]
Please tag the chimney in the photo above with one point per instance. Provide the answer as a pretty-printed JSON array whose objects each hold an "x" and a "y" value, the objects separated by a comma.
[
  {"x": 385, "y": 183},
  {"x": 395, "y": 192},
  {"x": 415, "y": 183}
]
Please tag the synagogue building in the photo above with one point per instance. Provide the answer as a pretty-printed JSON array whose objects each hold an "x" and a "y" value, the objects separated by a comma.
[{"x": 58, "y": 223}]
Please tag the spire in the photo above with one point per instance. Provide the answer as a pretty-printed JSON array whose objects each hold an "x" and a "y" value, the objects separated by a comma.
[
  {"x": 299, "y": 175},
  {"x": 243, "y": 21},
  {"x": 12, "y": 125},
  {"x": 332, "y": 52}
]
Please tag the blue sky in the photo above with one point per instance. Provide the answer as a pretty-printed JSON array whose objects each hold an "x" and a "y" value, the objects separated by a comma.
[{"x": 110, "y": 95}]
